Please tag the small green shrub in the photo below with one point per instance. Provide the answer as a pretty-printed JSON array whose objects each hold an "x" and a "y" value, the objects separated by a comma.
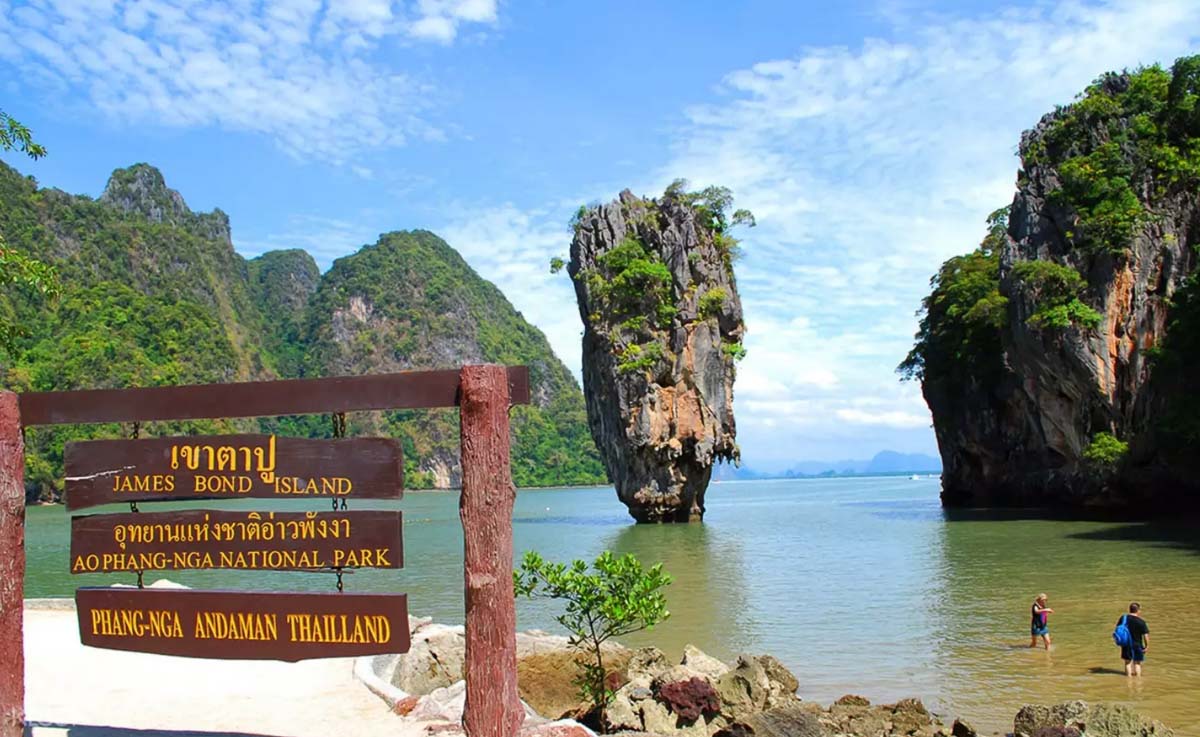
[
  {"x": 711, "y": 302},
  {"x": 557, "y": 264},
  {"x": 1105, "y": 450},
  {"x": 735, "y": 351},
  {"x": 639, "y": 357},
  {"x": 1056, "y": 289},
  {"x": 617, "y": 597}
]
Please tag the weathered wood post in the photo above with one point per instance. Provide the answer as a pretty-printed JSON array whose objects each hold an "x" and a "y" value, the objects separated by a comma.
[
  {"x": 493, "y": 708},
  {"x": 12, "y": 568}
]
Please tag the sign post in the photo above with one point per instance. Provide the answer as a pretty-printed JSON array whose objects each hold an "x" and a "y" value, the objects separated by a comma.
[
  {"x": 493, "y": 707},
  {"x": 213, "y": 468},
  {"x": 12, "y": 568}
]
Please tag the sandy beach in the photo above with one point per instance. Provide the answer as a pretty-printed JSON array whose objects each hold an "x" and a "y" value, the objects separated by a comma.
[{"x": 87, "y": 692}]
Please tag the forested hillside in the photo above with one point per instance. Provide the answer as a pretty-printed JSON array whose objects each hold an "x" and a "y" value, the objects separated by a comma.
[{"x": 154, "y": 294}]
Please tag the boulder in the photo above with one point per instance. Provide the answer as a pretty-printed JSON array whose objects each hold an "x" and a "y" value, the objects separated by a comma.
[
  {"x": 434, "y": 660},
  {"x": 962, "y": 729},
  {"x": 910, "y": 717},
  {"x": 1093, "y": 720},
  {"x": 547, "y": 678},
  {"x": 564, "y": 728},
  {"x": 697, "y": 660},
  {"x": 785, "y": 721},
  {"x": 446, "y": 705},
  {"x": 756, "y": 683},
  {"x": 658, "y": 719},
  {"x": 692, "y": 699},
  {"x": 648, "y": 661}
]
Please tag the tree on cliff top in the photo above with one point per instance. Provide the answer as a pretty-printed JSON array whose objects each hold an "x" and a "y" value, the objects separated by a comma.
[{"x": 959, "y": 331}]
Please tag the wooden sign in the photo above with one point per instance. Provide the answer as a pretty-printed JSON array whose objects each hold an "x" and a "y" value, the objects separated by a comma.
[
  {"x": 405, "y": 390},
  {"x": 243, "y": 626},
  {"x": 203, "y": 538},
  {"x": 208, "y": 467}
]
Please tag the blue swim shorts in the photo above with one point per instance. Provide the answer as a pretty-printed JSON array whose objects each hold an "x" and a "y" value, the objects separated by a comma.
[
  {"x": 1039, "y": 630},
  {"x": 1136, "y": 653}
]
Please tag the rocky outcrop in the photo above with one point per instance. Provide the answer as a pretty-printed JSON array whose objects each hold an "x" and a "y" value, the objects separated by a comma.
[
  {"x": 1110, "y": 356},
  {"x": 1080, "y": 719},
  {"x": 662, "y": 330}
]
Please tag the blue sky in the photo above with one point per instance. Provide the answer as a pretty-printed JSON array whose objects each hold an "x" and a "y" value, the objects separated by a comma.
[{"x": 871, "y": 139}]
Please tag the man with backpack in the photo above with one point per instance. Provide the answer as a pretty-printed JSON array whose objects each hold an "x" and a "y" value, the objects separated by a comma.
[{"x": 1133, "y": 635}]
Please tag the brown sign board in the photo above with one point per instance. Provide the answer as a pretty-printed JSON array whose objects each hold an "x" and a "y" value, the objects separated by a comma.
[
  {"x": 204, "y": 538},
  {"x": 233, "y": 625},
  {"x": 207, "y": 467}
]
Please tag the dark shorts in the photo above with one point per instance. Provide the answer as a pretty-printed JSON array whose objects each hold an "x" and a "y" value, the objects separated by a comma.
[
  {"x": 1136, "y": 653},
  {"x": 1039, "y": 630}
]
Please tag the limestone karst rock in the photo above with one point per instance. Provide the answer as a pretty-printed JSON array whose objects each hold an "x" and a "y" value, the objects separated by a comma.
[
  {"x": 1093, "y": 336},
  {"x": 662, "y": 332}
]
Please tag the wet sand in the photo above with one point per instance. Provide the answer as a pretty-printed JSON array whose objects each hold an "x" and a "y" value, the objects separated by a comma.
[{"x": 87, "y": 692}]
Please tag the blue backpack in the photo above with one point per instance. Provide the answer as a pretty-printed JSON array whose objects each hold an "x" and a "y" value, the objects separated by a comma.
[{"x": 1122, "y": 635}]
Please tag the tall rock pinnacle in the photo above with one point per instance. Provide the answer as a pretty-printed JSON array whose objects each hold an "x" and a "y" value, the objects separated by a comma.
[{"x": 662, "y": 332}]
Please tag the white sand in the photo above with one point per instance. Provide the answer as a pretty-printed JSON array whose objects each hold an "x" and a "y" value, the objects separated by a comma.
[{"x": 69, "y": 687}]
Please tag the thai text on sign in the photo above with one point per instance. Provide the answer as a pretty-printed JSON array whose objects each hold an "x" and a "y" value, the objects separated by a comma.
[
  {"x": 230, "y": 467},
  {"x": 202, "y": 538}
]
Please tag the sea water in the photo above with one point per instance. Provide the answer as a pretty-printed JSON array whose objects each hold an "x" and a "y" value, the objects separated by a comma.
[{"x": 858, "y": 585}]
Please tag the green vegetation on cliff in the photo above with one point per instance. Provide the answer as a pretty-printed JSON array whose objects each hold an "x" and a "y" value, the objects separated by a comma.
[
  {"x": 411, "y": 301},
  {"x": 959, "y": 331},
  {"x": 1123, "y": 130},
  {"x": 154, "y": 294}
]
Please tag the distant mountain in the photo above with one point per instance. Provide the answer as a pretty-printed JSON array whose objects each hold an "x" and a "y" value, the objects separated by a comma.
[
  {"x": 884, "y": 462},
  {"x": 154, "y": 294}
]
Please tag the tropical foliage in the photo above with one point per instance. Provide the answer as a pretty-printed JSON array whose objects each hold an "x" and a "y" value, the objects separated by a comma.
[
  {"x": 617, "y": 597},
  {"x": 150, "y": 299}
]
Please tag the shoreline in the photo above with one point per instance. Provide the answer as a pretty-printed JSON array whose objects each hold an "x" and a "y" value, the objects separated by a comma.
[{"x": 92, "y": 692}]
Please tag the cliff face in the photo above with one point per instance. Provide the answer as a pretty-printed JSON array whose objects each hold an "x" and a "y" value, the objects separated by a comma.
[
  {"x": 662, "y": 330},
  {"x": 1087, "y": 396},
  {"x": 410, "y": 301}
]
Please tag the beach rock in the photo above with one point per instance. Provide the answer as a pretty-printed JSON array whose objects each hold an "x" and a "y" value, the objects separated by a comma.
[
  {"x": 658, "y": 719},
  {"x": 446, "y": 704},
  {"x": 784, "y": 721},
  {"x": 910, "y": 717},
  {"x": 756, "y": 683},
  {"x": 1092, "y": 720},
  {"x": 691, "y": 699},
  {"x": 624, "y": 713},
  {"x": 697, "y": 660},
  {"x": 563, "y": 728},
  {"x": 546, "y": 679},
  {"x": 659, "y": 348},
  {"x": 435, "y": 659},
  {"x": 647, "y": 661},
  {"x": 963, "y": 729}
]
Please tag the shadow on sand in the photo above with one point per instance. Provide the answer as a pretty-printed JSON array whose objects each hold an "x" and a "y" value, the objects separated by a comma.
[{"x": 44, "y": 729}]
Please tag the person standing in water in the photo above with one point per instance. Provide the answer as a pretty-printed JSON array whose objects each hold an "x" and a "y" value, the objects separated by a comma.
[
  {"x": 1135, "y": 653},
  {"x": 1039, "y": 622}
]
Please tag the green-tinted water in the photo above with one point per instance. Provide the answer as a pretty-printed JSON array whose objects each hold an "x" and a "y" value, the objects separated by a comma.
[{"x": 858, "y": 585}]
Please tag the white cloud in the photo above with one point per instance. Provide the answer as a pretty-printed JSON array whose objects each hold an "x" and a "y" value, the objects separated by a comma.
[
  {"x": 301, "y": 72},
  {"x": 867, "y": 167}
]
